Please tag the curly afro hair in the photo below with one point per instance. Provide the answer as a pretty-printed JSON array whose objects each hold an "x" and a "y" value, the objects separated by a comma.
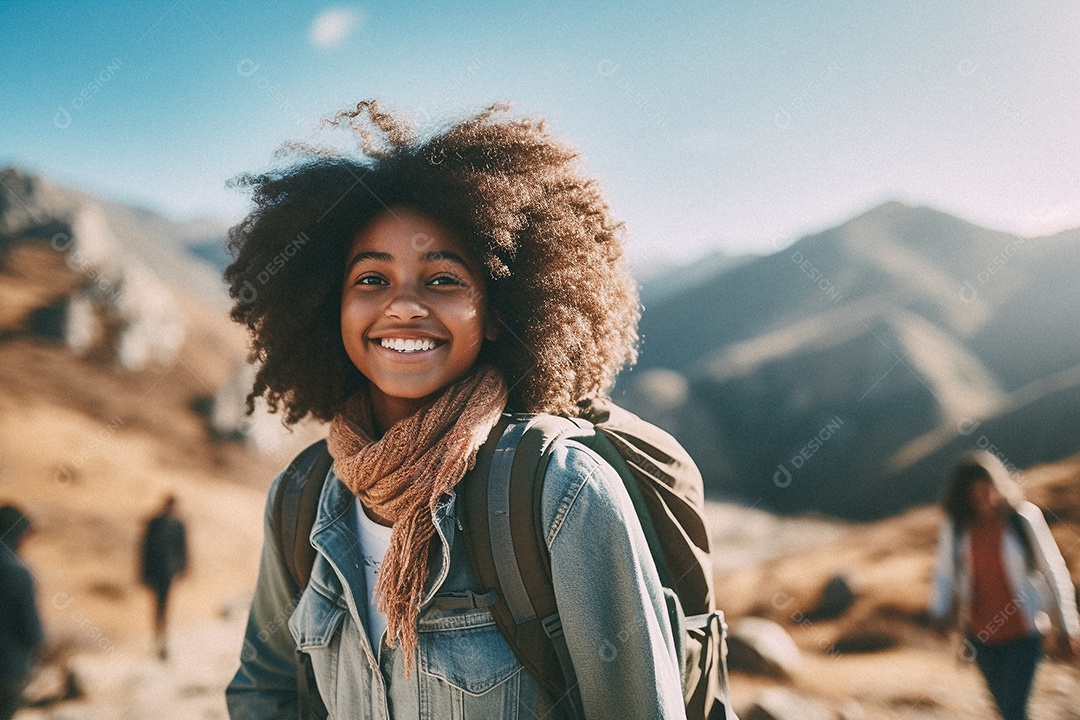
[{"x": 556, "y": 278}]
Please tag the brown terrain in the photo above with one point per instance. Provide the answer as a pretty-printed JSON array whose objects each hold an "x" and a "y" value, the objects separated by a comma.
[
  {"x": 89, "y": 450},
  {"x": 879, "y": 659}
]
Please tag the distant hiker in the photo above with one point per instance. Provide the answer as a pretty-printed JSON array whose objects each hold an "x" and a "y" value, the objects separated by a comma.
[
  {"x": 20, "y": 627},
  {"x": 998, "y": 569},
  {"x": 164, "y": 556},
  {"x": 424, "y": 288}
]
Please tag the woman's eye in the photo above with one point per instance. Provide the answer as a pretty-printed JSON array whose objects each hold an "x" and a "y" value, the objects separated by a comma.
[
  {"x": 446, "y": 280},
  {"x": 370, "y": 280}
]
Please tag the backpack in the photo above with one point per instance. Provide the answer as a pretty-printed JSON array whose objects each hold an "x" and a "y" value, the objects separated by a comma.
[{"x": 499, "y": 516}]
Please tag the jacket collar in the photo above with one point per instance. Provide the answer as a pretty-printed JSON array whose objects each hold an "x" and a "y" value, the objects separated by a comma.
[{"x": 334, "y": 536}]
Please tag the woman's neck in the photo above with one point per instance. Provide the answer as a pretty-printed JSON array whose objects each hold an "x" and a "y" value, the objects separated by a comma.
[
  {"x": 388, "y": 411},
  {"x": 376, "y": 517}
]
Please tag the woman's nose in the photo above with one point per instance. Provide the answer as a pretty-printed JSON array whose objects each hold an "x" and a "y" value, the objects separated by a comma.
[{"x": 405, "y": 305}]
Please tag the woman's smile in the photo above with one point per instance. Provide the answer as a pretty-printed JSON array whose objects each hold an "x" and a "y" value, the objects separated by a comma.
[
  {"x": 408, "y": 346},
  {"x": 408, "y": 349}
]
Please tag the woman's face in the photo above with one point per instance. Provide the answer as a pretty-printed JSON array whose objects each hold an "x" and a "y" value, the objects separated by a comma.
[
  {"x": 413, "y": 311},
  {"x": 985, "y": 498}
]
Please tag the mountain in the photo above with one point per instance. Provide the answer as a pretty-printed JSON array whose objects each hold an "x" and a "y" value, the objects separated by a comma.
[
  {"x": 124, "y": 286},
  {"x": 660, "y": 281},
  {"x": 841, "y": 375},
  {"x": 110, "y": 233},
  {"x": 89, "y": 446},
  {"x": 845, "y": 373}
]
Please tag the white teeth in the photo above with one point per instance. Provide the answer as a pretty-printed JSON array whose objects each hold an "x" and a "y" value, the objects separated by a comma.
[{"x": 407, "y": 346}]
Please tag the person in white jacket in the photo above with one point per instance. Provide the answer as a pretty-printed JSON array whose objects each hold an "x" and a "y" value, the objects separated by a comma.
[{"x": 997, "y": 574}]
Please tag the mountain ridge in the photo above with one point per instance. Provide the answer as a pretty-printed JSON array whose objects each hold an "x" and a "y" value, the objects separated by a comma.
[
  {"x": 902, "y": 322},
  {"x": 899, "y": 329}
]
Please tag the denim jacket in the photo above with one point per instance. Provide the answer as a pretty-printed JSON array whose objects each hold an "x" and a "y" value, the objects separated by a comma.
[{"x": 612, "y": 607}]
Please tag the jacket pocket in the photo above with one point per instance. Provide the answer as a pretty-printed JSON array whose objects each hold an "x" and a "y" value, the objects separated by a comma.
[
  {"x": 466, "y": 650},
  {"x": 315, "y": 625},
  {"x": 315, "y": 620}
]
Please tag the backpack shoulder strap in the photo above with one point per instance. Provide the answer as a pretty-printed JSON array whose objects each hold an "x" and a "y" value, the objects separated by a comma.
[
  {"x": 505, "y": 540},
  {"x": 1023, "y": 535},
  {"x": 295, "y": 502}
]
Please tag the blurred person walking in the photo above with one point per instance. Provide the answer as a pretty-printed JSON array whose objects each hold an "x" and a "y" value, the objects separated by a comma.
[
  {"x": 998, "y": 571},
  {"x": 164, "y": 556},
  {"x": 20, "y": 627}
]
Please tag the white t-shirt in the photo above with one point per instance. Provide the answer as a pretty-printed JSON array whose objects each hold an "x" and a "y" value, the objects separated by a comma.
[{"x": 374, "y": 542}]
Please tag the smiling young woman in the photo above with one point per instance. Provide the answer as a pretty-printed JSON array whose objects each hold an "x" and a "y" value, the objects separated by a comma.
[{"x": 471, "y": 273}]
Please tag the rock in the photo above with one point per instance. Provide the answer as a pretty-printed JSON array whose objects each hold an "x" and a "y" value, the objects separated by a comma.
[
  {"x": 784, "y": 704},
  {"x": 873, "y": 637},
  {"x": 663, "y": 389},
  {"x": 762, "y": 647},
  {"x": 851, "y": 709},
  {"x": 128, "y": 266},
  {"x": 51, "y": 684},
  {"x": 227, "y": 419},
  {"x": 836, "y": 597}
]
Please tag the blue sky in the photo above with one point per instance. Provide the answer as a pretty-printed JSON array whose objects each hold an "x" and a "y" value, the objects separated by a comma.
[{"x": 712, "y": 125}]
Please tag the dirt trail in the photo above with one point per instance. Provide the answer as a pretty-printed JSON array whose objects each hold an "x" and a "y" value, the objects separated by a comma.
[{"x": 130, "y": 683}]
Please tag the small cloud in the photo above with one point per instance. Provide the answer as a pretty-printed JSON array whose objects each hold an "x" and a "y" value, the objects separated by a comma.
[{"x": 332, "y": 26}]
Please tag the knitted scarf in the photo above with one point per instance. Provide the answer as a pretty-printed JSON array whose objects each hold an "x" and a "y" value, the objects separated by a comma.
[{"x": 402, "y": 475}]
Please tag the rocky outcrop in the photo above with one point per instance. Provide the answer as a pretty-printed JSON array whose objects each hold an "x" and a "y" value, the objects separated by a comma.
[
  {"x": 836, "y": 597},
  {"x": 786, "y": 704},
  {"x": 128, "y": 264},
  {"x": 762, "y": 647}
]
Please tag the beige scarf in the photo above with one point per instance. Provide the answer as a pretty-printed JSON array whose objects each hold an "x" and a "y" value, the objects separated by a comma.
[{"x": 402, "y": 475}]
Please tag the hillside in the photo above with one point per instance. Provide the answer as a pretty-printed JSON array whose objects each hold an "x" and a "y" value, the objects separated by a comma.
[
  {"x": 90, "y": 441},
  {"x": 89, "y": 448},
  {"x": 132, "y": 437},
  {"x": 878, "y": 659},
  {"x": 868, "y": 351},
  {"x": 105, "y": 235}
]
